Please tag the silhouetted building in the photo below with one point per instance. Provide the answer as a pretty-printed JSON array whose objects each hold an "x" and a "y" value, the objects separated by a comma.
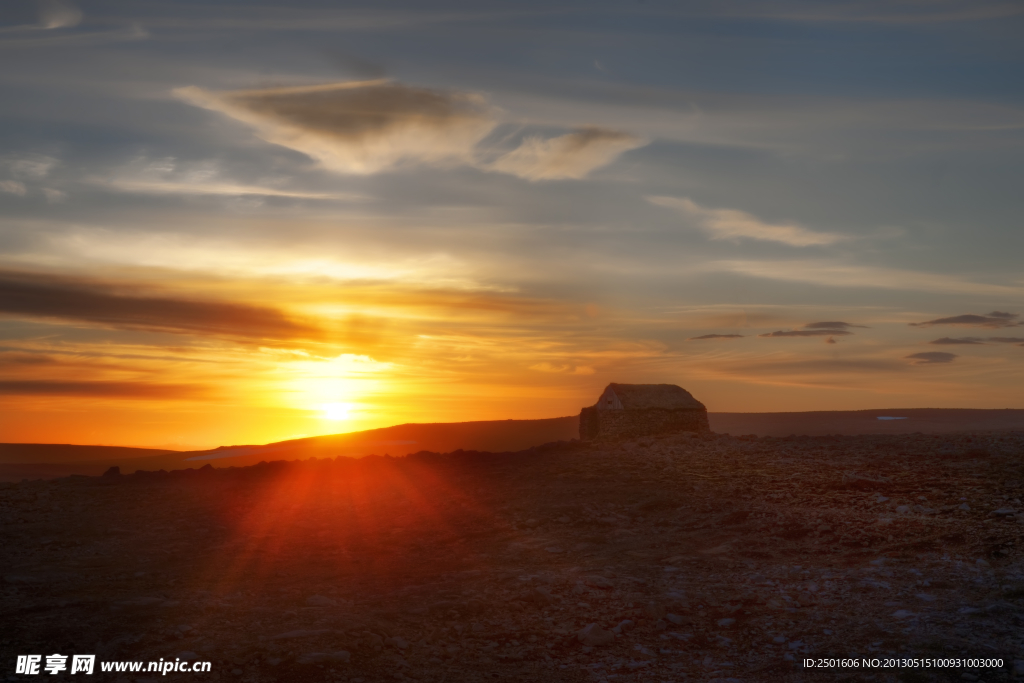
[{"x": 631, "y": 410}]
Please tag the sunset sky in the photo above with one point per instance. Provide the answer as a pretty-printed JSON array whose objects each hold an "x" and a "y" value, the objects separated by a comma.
[{"x": 228, "y": 222}]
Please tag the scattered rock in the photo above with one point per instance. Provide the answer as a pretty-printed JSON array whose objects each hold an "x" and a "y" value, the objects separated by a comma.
[
  {"x": 595, "y": 636},
  {"x": 655, "y": 610},
  {"x": 140, "y": 602},
  {"x": 624, "y": 626},
  {"x": 539, "y": 595},
  {"x": 397, "y": 642},
  {"x": 323, "y": 657},
  {"x": 863, "y": 481},
  {"x": 598, "y": 582},
  {"x": 373, "y": 641},
  {"x": 301, "y": 633},
  {"x": 320, "y": 601}
]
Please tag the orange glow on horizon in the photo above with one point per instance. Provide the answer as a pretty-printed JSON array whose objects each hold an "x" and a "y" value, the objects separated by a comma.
[{"x": 404, "y": 352}]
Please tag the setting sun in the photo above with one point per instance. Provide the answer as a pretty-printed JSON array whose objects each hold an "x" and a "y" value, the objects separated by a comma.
[{"x": 336, "y": 411}]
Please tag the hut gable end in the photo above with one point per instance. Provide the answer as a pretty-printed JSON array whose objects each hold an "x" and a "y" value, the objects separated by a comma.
[{"x": 609, "y": 400}]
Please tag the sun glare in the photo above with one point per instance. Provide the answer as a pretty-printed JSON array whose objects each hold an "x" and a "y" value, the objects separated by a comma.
[{"x": 336, "y": 411}]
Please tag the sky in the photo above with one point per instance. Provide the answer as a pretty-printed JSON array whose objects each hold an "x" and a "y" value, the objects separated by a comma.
[{"x": 243, "y": 222}]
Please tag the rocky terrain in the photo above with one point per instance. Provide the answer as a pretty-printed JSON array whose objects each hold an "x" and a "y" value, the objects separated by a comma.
[{"x": 678, "y": 558}]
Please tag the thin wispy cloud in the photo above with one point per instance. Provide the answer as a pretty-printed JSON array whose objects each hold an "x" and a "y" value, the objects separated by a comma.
[
  {"x": 170, "y": 176},
  {"x": 828, "y": 329},
  {"x": 31, "y": 166},
  {"x": 877, "y": 11},
  {"x": 158, "y": 187},
  {"x": 13, "y": 187},
  {"x": 837, "y": 274},
  {"x": 834, "y": 325},
  {"x": 563, "y": 369},
  {"x": 931, "y": 358},
  {"x": 335, "y": 19},
  {"x": 977, "y": 340},
  {"x": 993, "y": 320},
  {"x": 717, "y": 336},
  {"x": 570, "y": 156},
  {"x": 805, "y": 333},
  {"x": 53, "y": 14},
  {"x": 58, "y": 14},
  {"x": 735, "y": 225},
  {"x": 81, "y": 39}
]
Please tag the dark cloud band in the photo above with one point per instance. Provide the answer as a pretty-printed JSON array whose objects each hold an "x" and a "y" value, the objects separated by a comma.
[
  {"x": 716, "y": 336},
  {"x": 995, "y": 319},
  {"x": 834, "y": 325},
  {"x": 805, "y": 333},
  {"x": 931, "y": 357},
  {"x": 43, "y": 296},
  {"x": 100, "y": 389}
]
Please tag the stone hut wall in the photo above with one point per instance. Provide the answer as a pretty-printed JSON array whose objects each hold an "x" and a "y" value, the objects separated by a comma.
[
  {"x": 589, "y": 424},
  {"x": 621, "y": 424}
]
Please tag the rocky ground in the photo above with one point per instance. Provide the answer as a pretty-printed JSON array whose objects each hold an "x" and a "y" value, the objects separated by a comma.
[{"x": 678, "y": 558}]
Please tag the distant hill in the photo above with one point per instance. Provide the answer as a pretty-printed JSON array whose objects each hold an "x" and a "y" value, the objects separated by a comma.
[
  {"x": 35, "y": 461},
  {"x": 67, "y": 453},
  {"x": 851, "y": 422}
]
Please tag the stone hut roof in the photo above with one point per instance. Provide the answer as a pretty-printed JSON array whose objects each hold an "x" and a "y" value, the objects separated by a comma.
[{"x": 665, "y": 396}]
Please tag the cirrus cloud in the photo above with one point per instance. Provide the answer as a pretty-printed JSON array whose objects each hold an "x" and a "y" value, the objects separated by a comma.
[
  {"x": 834, "y": 325},
  {"x": 570, "y": 156},
  {"x": 805, "y": 333},
  {"x": 367, "y": 127},
  {"x": 58, "y": 14},
  {"x": 732, "y": 224},
  {"x": 359, "y": 127},
  {"x": 978, "y": 340},
  {"x": 13, "y": 187},
  {"x": 716, "y": 336},
  {"x": 931, "y": 357}
]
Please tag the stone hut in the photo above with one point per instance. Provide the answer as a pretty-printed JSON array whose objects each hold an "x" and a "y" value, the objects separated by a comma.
[{"x": 631, "y": 410}]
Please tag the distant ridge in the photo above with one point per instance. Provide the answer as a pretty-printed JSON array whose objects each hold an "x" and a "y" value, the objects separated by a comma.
[
  {"x": 851, "y": 422},
  {"x": 65, "y": 453},
  {"x": 54, "y": 460},
  {"x": 35, "y": 461}
]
